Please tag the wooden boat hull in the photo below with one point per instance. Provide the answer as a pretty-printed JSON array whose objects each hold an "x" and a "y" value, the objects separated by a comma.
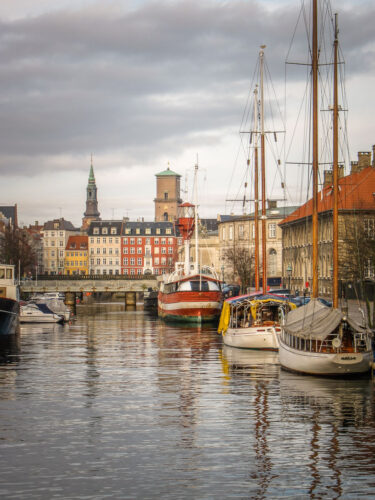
[
  {"x": 324, "y": 364},
  {"x": 262, "y": 338},
  {"x": 9, "y": 316},
  {"x": 190, "y": 306}
]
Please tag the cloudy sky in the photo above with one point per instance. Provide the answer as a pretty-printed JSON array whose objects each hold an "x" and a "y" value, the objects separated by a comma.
[{"x": 140, "y": 84}]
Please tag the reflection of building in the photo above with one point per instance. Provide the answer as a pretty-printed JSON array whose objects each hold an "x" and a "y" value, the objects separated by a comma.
[
  {"x": 356, "y": 208},
  {"x": 76, "y": 255},
  {"x": 167, "y": 195},
  {"x": 92, "y": 212},
  {"x": 239, "y": 232},
  {"x": 55, "y": 236}
]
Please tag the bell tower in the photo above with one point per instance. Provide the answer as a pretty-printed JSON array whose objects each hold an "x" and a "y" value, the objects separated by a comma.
[
  {"x": 167, "y": 195},
  {"x": 92, "y": 212}
]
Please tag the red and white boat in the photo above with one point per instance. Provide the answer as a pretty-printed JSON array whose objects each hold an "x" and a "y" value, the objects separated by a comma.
[{"x": 190, "y": 293}]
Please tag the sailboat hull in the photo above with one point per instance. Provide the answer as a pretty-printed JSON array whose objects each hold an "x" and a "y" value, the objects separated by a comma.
[
  {"x": 193, "y": 307},
  {"x": 264, "y": 338},
  {"x": 324, "y": 364}
]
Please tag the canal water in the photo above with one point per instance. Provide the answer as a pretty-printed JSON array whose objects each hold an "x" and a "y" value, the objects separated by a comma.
[{"x": 120, "y": 405}]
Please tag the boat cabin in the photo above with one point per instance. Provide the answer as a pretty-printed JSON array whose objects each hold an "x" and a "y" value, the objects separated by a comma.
[{"x": 8, "y": 287}]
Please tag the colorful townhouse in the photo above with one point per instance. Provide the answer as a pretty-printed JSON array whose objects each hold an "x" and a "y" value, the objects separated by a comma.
[
  {"x": 76, "y": 255},
  {"x": 104, "y": 247}
]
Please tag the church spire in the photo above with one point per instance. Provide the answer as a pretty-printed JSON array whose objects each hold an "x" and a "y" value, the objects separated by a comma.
[{"x": 92, "y": 212}]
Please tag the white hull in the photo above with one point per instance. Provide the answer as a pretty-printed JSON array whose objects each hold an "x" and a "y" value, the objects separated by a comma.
[
  {"x": 313, "y": 363},
  {"x": 266, "y": 338},
  {"x": 40, "y": 319}
]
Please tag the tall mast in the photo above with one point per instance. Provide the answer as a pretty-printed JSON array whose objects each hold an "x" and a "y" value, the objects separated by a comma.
[
  {"x": 256, "y": 190},
  {"x": 196, "y": 215},
  {"x": 263, "y": 171},
  {"x": 335, "y": 213},
  {"x": 315, "y": 287}
]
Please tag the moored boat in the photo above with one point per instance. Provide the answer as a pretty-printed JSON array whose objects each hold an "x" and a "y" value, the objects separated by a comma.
[
  {"x": 9, "y": 303},
  {"x": 253, "y": 321},
  {"x": 31, "y": 312}
]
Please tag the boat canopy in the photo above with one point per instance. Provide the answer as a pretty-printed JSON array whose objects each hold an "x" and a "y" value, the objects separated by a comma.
[{"x": 314, "y": 320}]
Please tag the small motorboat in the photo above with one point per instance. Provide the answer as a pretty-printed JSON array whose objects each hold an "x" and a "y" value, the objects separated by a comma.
[{"x": 32, "y": 312}]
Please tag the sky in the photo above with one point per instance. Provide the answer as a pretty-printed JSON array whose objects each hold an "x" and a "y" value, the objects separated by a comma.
[{"x": 143, "y": 85}]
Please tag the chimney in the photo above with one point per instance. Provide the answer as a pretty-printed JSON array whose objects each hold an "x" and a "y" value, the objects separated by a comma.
[
  {"x": 364, "y": 159},
  {"x": 272, "y": 204},
  {"x": 328, "y": 178}
]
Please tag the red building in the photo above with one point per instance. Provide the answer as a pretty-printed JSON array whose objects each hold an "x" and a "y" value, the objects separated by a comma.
[{"x": 148, "y": 247}]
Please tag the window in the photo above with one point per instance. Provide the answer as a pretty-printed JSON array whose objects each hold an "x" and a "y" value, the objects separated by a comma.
[
  {"x": 272, "y": 230},
  {"x": 163, "y": 241},
  {"x": 113, "y": 230},
  {"x": 170, "y": 241},
  {"x": 148, "y": 242},
  {"x": 104, "y": 261},
  {"x": 168, "y": 230},
  {"x": 137, "y": 231},
  {"x": 166, "y": 195},
  {"x": 125, "y": 241},
  {"x": 128, "y": 230},
  {"x": 369, "y": 228},
  {"x": 156, "y": 241},
  {"x": 148, "y": 230},
  {"x": 163, "y": 250},
  {"x": 272, "y": 261},
  {"x": 139, "y": 241},
  {"x": 156, "y": 250},
  {"x": 104, "y": 250},
  {"x": 105, "y": 230},
  {"x": 104, "y": 240},
  {"x": 132, "y": 250},
  {"x": 116, "y": 241},
  {"x": 139, "y": 271},
  {"x": 110, "y": 251},
  {"x": 132, "y": 271},
  {"x": 61, "y": 233},
  {"x": 96, "y": 230},
  {"x": 110, "y": 240},
  {"x": 125, "y": 250},
  {"x": 139, "y": 261},
  {"x": 132, "y": 261},
  {"x": 253, "y": 231},
  {"x": 240, "y": 232},
  {"x": 125, "y": 271},
  {"x": 91, "y": 240},
  {"x": 132, "y": 241},
  {"x": 52, "y": 243},
  {"x": 179, "y": 241},
  {"x": 231, "y": 232},
  {"x": 170, "y": 261},
  {"x": 92, "y": 262},
  {"x": 139, "y": 250},
  {"x": 52, "y": 254},
  {"x": 170, "y": 250},
  {"x": 222, "y": 234},
  {"x": 157, "y": 230},
  {"x": 98, "y": 241},
  {"x": 156, "y": 261},
  {"x": 52, "y": 233},
  {"x": 98, "y": 250},
  {"x": 98, "y": 261},
  {"x": 163, "y": 261}
]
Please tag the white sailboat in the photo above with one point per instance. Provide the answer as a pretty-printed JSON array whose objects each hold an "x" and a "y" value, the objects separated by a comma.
[
  {"x": 316, "y": 339},
  {"x": 253, "y": 321}
]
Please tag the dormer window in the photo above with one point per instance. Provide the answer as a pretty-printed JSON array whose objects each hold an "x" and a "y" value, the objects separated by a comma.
[
  {"x": 113, "y": 230},
  {"x": 137, "y": 231},
  {"x": 96, "y": 230},
  {"x": 104, "y": 230}
]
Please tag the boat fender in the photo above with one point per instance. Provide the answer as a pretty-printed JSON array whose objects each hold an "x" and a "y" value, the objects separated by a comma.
[{"x": 336, "y": 342}]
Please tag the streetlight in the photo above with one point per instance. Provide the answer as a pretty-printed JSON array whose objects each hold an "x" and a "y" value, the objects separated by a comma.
[
  {"x": 222, "y": 272},
  {"x": 289, "y": 273}
]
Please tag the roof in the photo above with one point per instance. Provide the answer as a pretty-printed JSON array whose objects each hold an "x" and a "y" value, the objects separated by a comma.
[
  {"x": 271, "y": 213},
  {"x": 77, "y": 243},
  {"x": 210, "y": 224},
  {"x": 167, "y": 173},
  {"x": 62, "y": 225},
  {"x": 356, "y": 192},
  {"x": 152, "y": 228}
]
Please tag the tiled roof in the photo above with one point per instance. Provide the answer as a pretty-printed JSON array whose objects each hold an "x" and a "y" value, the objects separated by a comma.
[
  {"x": 356, "y": 193},
  {"x": 77, "y": 243},
  {"x": 62, "y": 225}
]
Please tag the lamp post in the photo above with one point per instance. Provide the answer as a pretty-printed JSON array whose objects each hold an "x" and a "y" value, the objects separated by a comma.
[
  {"x": 222, "y": 272},
  {"x": 289, "y": 273}
]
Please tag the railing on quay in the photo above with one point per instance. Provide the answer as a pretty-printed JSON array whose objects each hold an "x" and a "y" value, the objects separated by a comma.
[{"x": 92, "y": 277}]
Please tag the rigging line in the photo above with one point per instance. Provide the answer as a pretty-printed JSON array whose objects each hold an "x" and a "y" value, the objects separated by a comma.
[{"x": 294, "y": 32}]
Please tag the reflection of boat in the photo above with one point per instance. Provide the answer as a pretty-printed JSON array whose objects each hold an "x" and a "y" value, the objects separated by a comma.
[
  {"x": 317, "y": 339},
  {"x": 186, "y": 294},
  {"x": 253, "y": 321},
  {"x": 57, "y": 306},
  {"x": 38, "y": 313},
  {"x": 9, "y": 305},
  {"x": 261, "y": 364}
]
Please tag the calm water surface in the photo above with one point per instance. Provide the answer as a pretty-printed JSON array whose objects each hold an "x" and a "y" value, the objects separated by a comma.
[{"x": 121, "y": 405}]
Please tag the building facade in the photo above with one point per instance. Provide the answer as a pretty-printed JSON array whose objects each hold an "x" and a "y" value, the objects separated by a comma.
[
  {"x": 148, "y": 247},
  {"x": 76, "y": 255},
  {"x": 167, "y": 196},
  {"x": 356, "y": 218},
  {"x": 104, "y": 239},
  {"x": 55, "y": 235}
]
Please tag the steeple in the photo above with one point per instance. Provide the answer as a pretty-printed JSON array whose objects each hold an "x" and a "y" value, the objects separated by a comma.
[{"x": 92, "y": 212}]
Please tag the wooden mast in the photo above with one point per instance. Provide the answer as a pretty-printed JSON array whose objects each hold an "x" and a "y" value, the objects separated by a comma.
[
  {"x": 256, "y": 191},
  {"x": 263, "y": 172},
  {"x": 335, "y": 211},
  {"x": 315, "y": 286}
]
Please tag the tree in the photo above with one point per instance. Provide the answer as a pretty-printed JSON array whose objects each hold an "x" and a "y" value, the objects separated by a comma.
[
  {"x": 241, "y": 261},
  {"x": 15, "y": 248}
]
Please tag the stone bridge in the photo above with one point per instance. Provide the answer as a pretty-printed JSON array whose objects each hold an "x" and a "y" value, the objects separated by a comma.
[{"x": 90, "y": 283}]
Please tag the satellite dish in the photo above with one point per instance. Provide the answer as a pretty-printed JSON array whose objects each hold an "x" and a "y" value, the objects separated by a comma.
[{"x": 336, "y": 342}]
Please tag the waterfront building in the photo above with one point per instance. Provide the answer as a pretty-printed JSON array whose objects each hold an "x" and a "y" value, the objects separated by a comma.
[
  {"x": 92, "y": 212},
  {"x": 55, "y": 235},
  {"x": 167, "y": 196},
  {"x": 34, "y": 232},
  {"x": 356, "y": 220},
  {"x": 9, "y": 216},
  {"x": 76, "y": 255},
  {"x": 238, "y": 232},
  {"x": 104, "y": 239},
  {"x": 148, "y": 247}
]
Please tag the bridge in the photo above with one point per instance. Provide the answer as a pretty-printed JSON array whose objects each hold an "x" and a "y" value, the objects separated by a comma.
[{"x": 89, "y": 283}]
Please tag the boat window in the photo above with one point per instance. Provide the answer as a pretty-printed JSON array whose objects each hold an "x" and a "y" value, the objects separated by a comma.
[
  {"x": 2, "y": 273},
  {"x": 212, "y": 285},
  {"x": 197, "y": 286},
  {"x": 184, "y": 286}
]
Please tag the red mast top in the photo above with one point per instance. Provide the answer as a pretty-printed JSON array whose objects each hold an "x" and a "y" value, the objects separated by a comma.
[{"x": 185, "y": 222}]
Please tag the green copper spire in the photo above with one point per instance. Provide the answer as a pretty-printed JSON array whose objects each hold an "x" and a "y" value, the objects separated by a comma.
[{"x": 91, "y": 176}]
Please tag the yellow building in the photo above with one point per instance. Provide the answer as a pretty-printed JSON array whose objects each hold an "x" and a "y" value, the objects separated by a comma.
[{"x": 76, "y": 255}]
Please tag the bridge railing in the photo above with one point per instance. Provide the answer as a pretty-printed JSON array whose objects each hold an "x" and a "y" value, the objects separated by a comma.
[{"x": 91, "y": 277}]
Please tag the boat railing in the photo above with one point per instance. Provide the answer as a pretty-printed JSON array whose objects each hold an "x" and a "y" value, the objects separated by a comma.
[{"x": 332, "y": 343}]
